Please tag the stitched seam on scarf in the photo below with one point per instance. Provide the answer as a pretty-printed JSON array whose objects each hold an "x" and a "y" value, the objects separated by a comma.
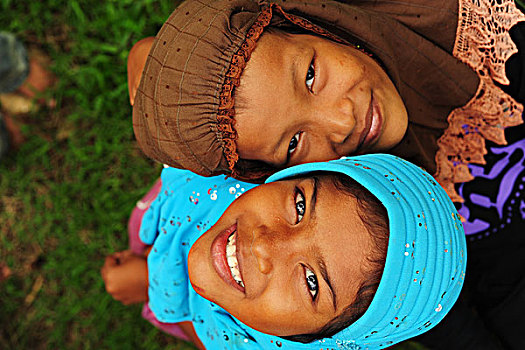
[
  {"x": 219, "y": 12},
  {"x": 156, "y": 110}
]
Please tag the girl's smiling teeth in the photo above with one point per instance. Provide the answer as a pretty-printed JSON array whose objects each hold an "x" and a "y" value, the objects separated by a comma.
[
  {"x": 231, "y": 257},
  {"x": 224, "y": 258}
]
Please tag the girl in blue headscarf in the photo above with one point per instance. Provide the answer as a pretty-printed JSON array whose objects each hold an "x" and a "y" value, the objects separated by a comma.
[{"x": 356, "y": 253}]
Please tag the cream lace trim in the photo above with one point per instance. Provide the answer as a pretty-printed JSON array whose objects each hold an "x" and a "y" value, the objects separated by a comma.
[{"x": 483, "y": 42}]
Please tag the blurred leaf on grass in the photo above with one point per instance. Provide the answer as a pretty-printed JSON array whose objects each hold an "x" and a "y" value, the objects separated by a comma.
[{"x": 66, "y": 194}]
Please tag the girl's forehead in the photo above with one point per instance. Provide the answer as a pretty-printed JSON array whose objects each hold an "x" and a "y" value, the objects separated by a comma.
[{"x": 275, "y": 44}]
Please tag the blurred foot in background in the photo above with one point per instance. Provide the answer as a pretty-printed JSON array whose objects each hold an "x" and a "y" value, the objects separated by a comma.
[
  {"x": 24, "y": 78},
  {"x": 5, "y": 272}
]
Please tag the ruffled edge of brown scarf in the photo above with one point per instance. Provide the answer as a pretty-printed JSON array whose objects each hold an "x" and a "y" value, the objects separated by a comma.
[
  {"x": 226, "y": 110},
  {"x": 485, "y": 117}
]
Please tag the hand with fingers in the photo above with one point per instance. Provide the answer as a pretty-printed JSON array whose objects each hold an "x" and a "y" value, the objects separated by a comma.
[{"x": 126, "y": 277}]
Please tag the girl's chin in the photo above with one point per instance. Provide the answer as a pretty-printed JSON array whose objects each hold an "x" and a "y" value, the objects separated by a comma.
[
  {"x": 199, "y": 290},
  {"x": 197, "y": 285},
  {"x": 203, "y": 293},
  {"x": 199, "y": 268},
  {"x": 194, "y": 265}
]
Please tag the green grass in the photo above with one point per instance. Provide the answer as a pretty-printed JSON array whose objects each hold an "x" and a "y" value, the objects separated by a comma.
[{"x": 66, "y": 194}]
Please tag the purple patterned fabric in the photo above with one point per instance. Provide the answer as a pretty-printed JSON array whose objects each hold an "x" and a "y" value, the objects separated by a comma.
[{"x": 495, "y": 198}]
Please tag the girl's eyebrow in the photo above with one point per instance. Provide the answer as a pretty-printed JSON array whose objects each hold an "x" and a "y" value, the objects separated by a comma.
[
  {"x": 313, "y": 197},
  {"x": 293, "y": 70},
  {"x": 276, "y": 151},
  {"x": 320, "y": 258},
  {"x": 326, "y": 277}
]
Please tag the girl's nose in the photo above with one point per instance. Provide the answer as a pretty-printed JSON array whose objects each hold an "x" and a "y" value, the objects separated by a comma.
[
  {"x": 263, "y": 249},
  {"x": 340, "y": 121}
]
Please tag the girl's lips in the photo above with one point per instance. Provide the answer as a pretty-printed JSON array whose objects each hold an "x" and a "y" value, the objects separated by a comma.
[
  {"x": 219, "y": 260},
  {"x": 376, "y": 124},
  {"x": 368, "y": 123}
]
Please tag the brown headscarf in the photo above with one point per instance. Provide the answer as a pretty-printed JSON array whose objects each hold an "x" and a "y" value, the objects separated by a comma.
[{"x": 184, "y": 109}]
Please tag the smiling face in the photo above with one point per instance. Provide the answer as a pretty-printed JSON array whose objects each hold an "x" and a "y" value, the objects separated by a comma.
[
  {"x": 304, "y": 98},
  {"x": 285, "y": 258}
]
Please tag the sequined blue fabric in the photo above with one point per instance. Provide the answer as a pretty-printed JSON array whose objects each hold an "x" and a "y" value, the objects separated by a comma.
[{"x": 423, "y": 274}]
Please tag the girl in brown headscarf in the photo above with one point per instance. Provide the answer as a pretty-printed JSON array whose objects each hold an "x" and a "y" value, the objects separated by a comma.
[
  {"x": 245, "y": 87},
  {"x": 442, "y": 61}
]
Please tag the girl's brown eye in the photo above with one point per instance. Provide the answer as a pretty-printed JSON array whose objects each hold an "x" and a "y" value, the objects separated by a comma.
[
  {"x": 300, "y": 205},
  {"x": 293, "y": 144},
  {"x": 311, "y": 282},
  {"x": 310, "y": 76}
]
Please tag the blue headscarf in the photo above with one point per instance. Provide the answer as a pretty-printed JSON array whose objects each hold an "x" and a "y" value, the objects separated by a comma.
[{"x": 422, "y": 278}]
